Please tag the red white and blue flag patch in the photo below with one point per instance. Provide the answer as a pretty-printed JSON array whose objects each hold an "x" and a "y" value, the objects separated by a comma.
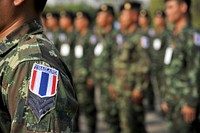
[{"x": 43, "y": 81}]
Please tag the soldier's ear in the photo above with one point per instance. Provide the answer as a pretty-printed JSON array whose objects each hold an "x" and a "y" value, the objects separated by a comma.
[
  {"x": 184, "y": 7},
  {"x": 18, "y": 2}
]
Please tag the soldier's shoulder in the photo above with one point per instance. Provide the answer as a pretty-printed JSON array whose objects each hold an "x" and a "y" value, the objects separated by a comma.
[
  {"x": 29, "y": 47},
  {"x": 39, "y": 48}
]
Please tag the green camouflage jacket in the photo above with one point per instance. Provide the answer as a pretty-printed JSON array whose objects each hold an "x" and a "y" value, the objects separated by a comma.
[
  {"x": 83, "y": 53},
  {"x": 157, "y": 51},
  {"x": 181, "y": 68},
  {"x": 104, "y": 52},
  {"x": 130, "y": 64},
  {"x": 35, "y": 85},
  {"x": 66, "y": 48}
]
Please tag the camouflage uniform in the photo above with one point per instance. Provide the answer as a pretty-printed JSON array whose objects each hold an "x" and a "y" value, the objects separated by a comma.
[
  {"x": 82, "y": 72},
  {"x": 157, "y": 52},
  {"x": 146, "y": 43},
  {"x": 104, "y": 51},
  {"x": 25, "y": 52},
  {"x": 181, "y": 69},
  {"x": 66, "y": 48},
  {"x": 130, "y": 70}
]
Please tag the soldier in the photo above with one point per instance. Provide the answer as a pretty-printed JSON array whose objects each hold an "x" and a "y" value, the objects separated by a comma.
[
  {"x": 82, "y": 70},
  {"x": 52, "y": 23},
  {"x": 130, "y": 69},
  {"x": 157, "y": 52},
  {"x": 104, "y": 52},
  {"x": 181, "y": 70},
  {"x": 67, "y": 38},
  {"x": 37, "y": 94},
  {"x": 146, "y": 37}
]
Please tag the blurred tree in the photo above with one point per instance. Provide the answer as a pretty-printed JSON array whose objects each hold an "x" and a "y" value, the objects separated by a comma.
[{"x": 196, "y": 13}]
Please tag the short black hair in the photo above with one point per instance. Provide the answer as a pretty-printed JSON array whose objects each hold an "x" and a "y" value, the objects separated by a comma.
[{"x": 39, "y": 5}]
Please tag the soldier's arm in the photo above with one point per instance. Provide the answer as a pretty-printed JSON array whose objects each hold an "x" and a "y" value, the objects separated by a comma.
[
  {"x": 35, "y": 102},
  {"x": 192, "y": 56}
]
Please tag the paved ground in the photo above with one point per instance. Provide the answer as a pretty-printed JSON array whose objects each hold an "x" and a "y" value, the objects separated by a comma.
[{"x": 154, "y": 122}]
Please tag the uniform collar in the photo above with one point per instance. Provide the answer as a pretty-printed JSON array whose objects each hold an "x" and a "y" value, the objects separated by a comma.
[
  {"x": 32, "y": 27},
  {"x": 187, "y": 26}
]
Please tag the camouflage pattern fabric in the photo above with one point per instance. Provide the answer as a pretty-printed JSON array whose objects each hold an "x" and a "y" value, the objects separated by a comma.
[
  {"x": 130, "y": 71},
  {"x": 82, "y": 73},
  {"x": 104, "y": 51},
  {"x": 21, "y": 110},
  {"x": 180, "y": 86}
]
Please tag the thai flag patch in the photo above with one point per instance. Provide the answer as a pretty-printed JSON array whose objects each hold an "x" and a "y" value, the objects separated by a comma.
[{"x": 43, "y": 81}]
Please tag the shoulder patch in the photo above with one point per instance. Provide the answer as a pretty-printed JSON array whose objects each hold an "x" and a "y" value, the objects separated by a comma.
[
  {"x": 43, "y": 82},
  {"x": 62, "y": 37},
  {"x": 93, "y": 39},
  {"x": 145, "y": 42},
  {"x": 197, "y": 39},
  {"x": 119, "y": 39}
]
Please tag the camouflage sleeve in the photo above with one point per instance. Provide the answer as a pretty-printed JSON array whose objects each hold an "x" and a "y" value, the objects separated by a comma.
[
  {"x": 38, "y": 98},
  {"x": 192, "y": 58}
]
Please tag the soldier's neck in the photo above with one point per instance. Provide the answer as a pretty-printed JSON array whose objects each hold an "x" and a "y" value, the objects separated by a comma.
[
  {"x": 83, "y": 31},
  {"x": 69, "y": 29},
  {"x": 11, "y": 27},
  {"x": 132, "y": 28},
  {"x": 160, "y": 29},
  {"x": 179, "y": 25},
  {"x": 145, "y": 28},
  {"x": 108, "y": 28}
]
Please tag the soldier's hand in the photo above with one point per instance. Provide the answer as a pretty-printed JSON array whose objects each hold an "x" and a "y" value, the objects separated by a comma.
[
  {"x": 189, "y": 113},
  {"x": 164, "y": 107},
  {"x": 137, "y": 97},
  {"x": 112, "y": 92},
  {"x": 90, "y": 83}
]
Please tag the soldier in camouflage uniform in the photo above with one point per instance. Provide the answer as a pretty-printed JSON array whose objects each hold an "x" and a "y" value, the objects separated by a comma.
[
  {"x": 104, "y": 52},
  {"x": 83, "y": 70},
  {"x": 67, "y": 38},
  {"x": 146, "y": 39},
  {"x": 181, "y": 68},
  {"x": 52, "y": 23},
  {"x": 157, "y": 51},
  {"x": 36, "y": 88},
  {"x": 130, "y": 69}
]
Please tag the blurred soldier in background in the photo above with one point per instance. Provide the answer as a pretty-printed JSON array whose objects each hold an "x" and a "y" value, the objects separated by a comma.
[
  {"x": 67, "y": 38},
  {"x": 104, "y": 52},
  {"x": 130, "y": 69},
  {"x": 157, "y": 51},
  {"x": 181, "y": 68},
  {"x": 52, "y": 23},
  {"x": 146, "y": 35},
  {"x": 83, "y": 53},
  {"x": 44, "y": 21}
]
